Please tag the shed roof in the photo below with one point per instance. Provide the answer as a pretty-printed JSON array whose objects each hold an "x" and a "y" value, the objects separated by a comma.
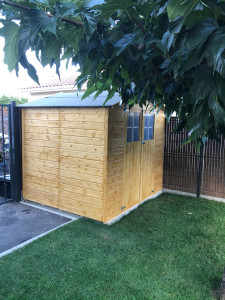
[{"x": 73, "y": 100}]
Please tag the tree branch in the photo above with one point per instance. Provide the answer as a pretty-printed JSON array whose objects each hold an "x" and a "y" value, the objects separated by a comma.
[{"x": 75, "y": 23}]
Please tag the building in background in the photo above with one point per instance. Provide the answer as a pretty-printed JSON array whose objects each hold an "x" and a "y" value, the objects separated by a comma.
[{"x": 50, "y": 86}]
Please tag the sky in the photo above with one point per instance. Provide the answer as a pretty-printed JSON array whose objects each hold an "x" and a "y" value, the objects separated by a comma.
[{"x": 10, "y": 84}]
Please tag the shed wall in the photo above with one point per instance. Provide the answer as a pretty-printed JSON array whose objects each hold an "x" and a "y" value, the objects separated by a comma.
[
  {"x": 63, "y": 158},
  {"x": 128, "y": 174}
]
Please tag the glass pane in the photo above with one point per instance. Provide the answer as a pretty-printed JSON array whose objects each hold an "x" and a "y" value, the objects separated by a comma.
[
  {"x": 136, "y": 134},
  {"x": 151, "y": 120},
  {"x": 129, "y": 134},
  {"x": 146, "y": 121},
  {"x": 146, "y": 136},
  {"x": 130, "y": 120},
  {"x": 136, "y": 120}
]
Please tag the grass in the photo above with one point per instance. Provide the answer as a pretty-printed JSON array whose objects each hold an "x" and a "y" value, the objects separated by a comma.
[{"x": 171, "y": 247}]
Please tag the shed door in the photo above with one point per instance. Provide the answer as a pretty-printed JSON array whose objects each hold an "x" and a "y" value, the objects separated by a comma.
[
  {"x": 132, "y": 163},
  {"x": 139, "y": 158},
  {"x": 147, "y": 156}
]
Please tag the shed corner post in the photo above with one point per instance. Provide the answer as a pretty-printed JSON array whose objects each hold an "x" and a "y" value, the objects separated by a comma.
[
  {"x": 105, "y": 164},
  {"x": 15, "y": 151}
]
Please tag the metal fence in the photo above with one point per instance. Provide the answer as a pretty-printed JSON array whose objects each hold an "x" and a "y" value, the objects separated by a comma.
[{"x": 181, "y": 164}]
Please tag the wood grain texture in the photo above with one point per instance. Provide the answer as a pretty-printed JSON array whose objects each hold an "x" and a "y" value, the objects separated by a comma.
[
  {"x": 63, "y": 154},
  {"x": 116, "y": 150},
  {"x": 135, "y": 170},
  {"x": 78, "y": 160}
]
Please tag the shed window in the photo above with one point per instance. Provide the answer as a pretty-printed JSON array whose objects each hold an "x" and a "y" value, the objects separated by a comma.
[
  {"x": 149, "y": 126},
  {"x": 133, "y": 127}
]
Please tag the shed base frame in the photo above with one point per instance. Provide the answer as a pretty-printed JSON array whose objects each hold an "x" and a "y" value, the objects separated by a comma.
[{"x": 116, "y": 219}]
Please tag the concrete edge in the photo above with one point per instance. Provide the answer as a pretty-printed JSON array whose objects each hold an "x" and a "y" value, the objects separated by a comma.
[
  {"x": 51, "y": 210},
  {"x": 116, "y": 219},
  {"x": 194, "y": 195},
  {"x": 32, "y": 239}
]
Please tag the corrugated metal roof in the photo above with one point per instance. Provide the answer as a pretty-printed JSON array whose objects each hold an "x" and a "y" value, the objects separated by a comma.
[{"x": 72, "y": 100}]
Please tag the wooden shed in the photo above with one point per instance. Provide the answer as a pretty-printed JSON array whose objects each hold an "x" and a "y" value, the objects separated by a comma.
[{"x": 92, "y": 160}]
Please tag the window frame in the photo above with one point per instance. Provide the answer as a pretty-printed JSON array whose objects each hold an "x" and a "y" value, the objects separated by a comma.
[
  {"x": 134, "y": 127},
  {"x": 152, "y": 127}
]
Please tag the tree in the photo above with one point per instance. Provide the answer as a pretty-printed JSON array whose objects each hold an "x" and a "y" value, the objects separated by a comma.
[
  {"x": 6, "y": 100},
  {"x": 170, "y": 53}
]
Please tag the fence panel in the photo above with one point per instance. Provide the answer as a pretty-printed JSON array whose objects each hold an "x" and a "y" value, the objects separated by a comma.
[{"x": 181, "y": 164}]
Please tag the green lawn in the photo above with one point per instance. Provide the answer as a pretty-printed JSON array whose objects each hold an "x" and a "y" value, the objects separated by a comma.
[{"x": 172, "y": 247}]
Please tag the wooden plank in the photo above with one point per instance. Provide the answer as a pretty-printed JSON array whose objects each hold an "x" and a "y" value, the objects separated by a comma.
[
  {"x": 82, "y": 140},
  {"x": 81, "y": 212},
  {"x": 80, "y": 176},
  {"x": 81, "y": 132},
  {"x": 81, "y": 125},
  {"x": 39, "y": 149},
  {"x": 39, "y": 199},
  {"x": 41, "y": 123},
  {"x": 98, "y": 195},
  {"x": 81, "y": 201},
  {"x": 42, "y": 163},
  {"x": 41, "y": 130},
  {"x": 81, "y": 162},
  {"x": 42, "y": 137},
  {"x": 41, "y": 175},
  {"x": 92, "y": 186},
  {"x": 40, "y": 187},
  {"x": 42, "y": 169},
  {"x": 115, "y": 162},
  {"x": 83, "y": 110},
  {"x": 41, "y": 181},
  {"x": 114, "y": 178},
  {"x": 41, "y": 110},
  {"x": 105, "y": 166},
  {"x": 81, "y": 117},
  {"x": 23, "y": 150},
  {"x": 39, "y": 143},
  {"x": 115, "y": 127},
  {"x": 80, "y": 154},
  {"x": 41, "y": 194},
  {"x": 80, "y": 147},
  {"x": 41, "y": 156},
  {"x": 81, "y": 169},
  {"x": 42, "y": 116}
]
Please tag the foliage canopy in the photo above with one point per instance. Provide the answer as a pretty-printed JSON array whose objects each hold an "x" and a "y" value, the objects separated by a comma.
[
  {"x": 168, "y": 52},
  {"x": 6, "y": 100}
]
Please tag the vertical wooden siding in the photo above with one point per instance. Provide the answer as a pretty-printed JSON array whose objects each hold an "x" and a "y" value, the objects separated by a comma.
[
  {"x": 159, "y": 136},
  {"x": 66, "y": 147},
  {"x": 125, "y": 169},
  {"x": 181, "y": 164}
]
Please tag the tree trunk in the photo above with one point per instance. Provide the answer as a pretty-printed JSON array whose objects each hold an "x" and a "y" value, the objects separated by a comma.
[{"x": 221, "y": 293}]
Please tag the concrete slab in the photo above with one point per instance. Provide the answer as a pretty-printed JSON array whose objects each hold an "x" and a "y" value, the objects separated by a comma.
[{"x": 20, "y": 223}]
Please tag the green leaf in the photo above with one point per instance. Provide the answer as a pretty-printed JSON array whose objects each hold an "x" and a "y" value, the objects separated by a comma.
[
  {"x": 217, "y": 110},
  {"x": 178, "y": 8},
  {"x": 91, "y": 90},
  {"x": 203, "y": 83},
  {"x": 115, "y": 5},
  {"x": 10, "y": 32},
  {"x": 30, "y": 69},
  {"x": 67, "y": 8},
  {"x": 124, "y": 74},
  {"x": 198, "y": 15}
]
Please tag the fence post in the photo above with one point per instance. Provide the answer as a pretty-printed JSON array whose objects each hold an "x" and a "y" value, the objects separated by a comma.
[
  {"x": 15, "y": 173},
  {"x": 199, "y": 179}
]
